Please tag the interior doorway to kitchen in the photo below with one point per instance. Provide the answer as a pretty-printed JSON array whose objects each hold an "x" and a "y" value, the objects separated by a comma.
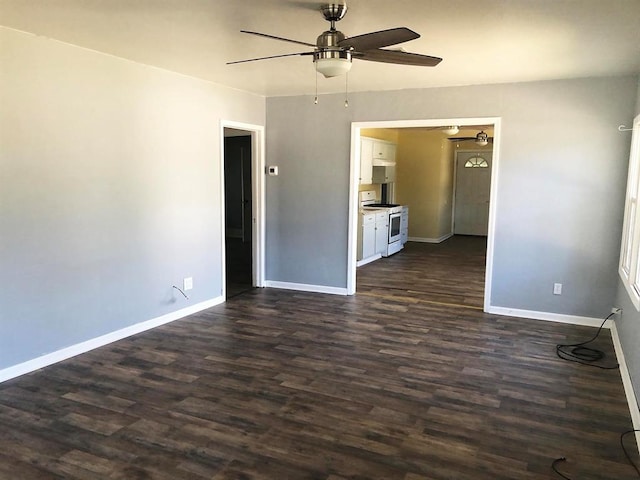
[
  {"x": 477, "y": 136},
  {"x": 243, "y": 214}
]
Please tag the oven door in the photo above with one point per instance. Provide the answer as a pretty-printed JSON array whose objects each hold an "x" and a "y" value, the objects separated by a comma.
[{"x": 394, "y": 227}]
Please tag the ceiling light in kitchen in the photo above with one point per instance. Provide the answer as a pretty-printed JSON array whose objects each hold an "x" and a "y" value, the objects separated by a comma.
[
  {"x": 482, "y": 138},
  {"x": 452, "y": 130}
]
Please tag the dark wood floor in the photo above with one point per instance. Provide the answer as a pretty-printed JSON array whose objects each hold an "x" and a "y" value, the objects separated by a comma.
[
  {"x": 449, "y": 273},
  {"x": 277, "y": 384}
]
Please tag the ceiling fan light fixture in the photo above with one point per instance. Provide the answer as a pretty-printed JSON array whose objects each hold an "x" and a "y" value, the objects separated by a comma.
[
  {"x": 452, "y": 130},
  {"x": 482, "y": 138},
  {"x": 332, "y": 63}
]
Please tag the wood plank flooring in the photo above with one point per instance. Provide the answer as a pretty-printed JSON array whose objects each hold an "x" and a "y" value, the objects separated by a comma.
[
  {"x": 276, "y": 384},
  {"x": 449, "y": 273}
]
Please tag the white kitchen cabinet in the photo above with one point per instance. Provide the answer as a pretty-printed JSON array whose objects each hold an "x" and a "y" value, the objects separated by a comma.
[
  {"x": 373, "y": 235},
  {"x": 375, "y": 153},
  {"x": 366, "y": 236},
  {"x": 384, "y": 153},
  {"x": 404, "y": 225},
  {"x": 366, "y": 160},
  {"x": 382, "y": 232}
]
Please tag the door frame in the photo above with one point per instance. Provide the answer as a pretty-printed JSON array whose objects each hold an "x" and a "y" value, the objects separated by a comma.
[
  {"x": 455, "y": 182},
  {"x": 257, "y": 199},
  {"x": 356, "y": 127}
]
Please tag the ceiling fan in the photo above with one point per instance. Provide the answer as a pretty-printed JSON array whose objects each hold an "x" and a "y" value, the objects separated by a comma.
[
  {"x": 482, "y": 138},
  {"x": 333, "y": 51}
]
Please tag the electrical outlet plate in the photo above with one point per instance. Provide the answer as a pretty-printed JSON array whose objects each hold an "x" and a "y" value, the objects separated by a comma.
[
  {"x": 557, "y": 289},
  {"x": 187, "y": 283}
]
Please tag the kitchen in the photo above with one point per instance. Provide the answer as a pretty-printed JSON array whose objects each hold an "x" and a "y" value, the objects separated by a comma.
[{"x": 415, "y": 170}]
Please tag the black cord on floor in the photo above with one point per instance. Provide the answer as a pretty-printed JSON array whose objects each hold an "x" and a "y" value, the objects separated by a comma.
[
  {"x": 626, "y": 454},
  {"x": 554, "y": 465},
  {"x": 578, "y": 352},
  {"x": 555, "y": 468}
]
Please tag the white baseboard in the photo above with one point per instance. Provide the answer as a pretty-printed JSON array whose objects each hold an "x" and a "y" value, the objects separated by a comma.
[
  {"x": 83, "y": 347},
  {"x": 550, "y": 317},
  {"x": 626, "y": 382},
  {"x": 303, "y": 287},
  {"x": 364, "y": 261},
  {"x": 430, "y": 240}
]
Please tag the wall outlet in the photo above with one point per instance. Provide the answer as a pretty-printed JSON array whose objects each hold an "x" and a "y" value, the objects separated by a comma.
[
  {"x": 557, "y": 289},
  {"x": 616, "y": 310},
  {"x": 187, "y": 283}
]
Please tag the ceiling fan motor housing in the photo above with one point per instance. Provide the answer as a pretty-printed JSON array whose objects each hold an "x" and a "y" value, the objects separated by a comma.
[
  {"x": 328, "y": 49},
  {"x": 333, "y": 54},
  {"x": 330, "y": 39}
]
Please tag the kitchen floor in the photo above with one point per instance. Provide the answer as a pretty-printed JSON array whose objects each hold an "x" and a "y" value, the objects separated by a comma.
[{"x": 448, "y": 273}]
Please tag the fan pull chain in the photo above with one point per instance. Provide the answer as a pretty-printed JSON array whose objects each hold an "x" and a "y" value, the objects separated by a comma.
[
  {"x": 315, "y": 101},
  {"x": 346, "y": 90}
]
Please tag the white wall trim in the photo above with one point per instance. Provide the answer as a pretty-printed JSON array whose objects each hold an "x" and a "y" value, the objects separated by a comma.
[
  {"x": 370, "y": 259},
  {"x": 304, "y": 287},
  {"x": 83, "y": 347},
  {"x": 430, "y": 240},
  {"x": 626, "y": 382},
  {"x": 352, "y": 233},
  {"x": 550, "y": 317},
  {"x": 352, "y": 243},
  {"x": 258, "y": 233}
]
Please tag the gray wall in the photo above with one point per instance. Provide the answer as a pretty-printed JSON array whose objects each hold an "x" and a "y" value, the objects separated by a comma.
[
  {"x": 109, "y": 192},
  {"x": 560, "y": 195},
  {"x": 628, "y": 324}
]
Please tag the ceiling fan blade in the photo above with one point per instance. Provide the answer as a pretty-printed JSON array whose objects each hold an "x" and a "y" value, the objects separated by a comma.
[
  {"x": 279, "y": 38},
  {"x": 466, "y": 139},
  {"x": 383, "y": 38},
  {"x": 399, "y": 57},
  {"x": 271, "y": 56}
]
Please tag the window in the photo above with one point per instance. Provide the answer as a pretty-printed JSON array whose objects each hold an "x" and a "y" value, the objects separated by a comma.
[
  {"x": 630, "y": 250},
  {"x": 476, "y": 162}
]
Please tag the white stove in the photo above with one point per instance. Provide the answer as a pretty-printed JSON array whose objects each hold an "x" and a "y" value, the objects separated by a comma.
[{"x": 368, "y": 202}]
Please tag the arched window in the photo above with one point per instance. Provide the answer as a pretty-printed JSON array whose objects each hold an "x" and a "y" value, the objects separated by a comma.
[{"x": 476, "y": 162}]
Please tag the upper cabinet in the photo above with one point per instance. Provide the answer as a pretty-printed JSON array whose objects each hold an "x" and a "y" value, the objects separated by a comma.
[
  {"x": 384, "y": 153},
  {"x": 374, "y": 152},
  {"x": 366, "y": 160}
]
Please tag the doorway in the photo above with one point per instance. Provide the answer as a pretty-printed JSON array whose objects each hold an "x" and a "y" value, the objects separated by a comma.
[
  {"x": 470, "y": 123},
  {"x": 243, "y": 212},
  {"x": 238, "y": 213}
]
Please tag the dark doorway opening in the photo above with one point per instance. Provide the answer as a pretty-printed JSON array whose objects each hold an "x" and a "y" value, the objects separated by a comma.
[{"x": 238, "y": 212}]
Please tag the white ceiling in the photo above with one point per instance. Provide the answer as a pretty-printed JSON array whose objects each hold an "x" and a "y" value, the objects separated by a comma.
[{"x": 481, "y": 41}]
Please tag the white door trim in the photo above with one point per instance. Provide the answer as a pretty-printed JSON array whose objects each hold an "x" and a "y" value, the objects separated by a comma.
[
  {"x": 355, "y": 175},
  {"x": 257, "y": 199}
]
